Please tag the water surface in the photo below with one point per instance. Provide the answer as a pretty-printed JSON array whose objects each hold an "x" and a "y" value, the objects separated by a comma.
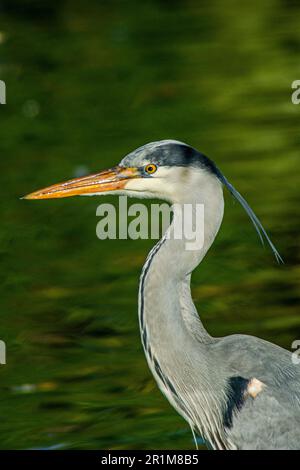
[{"x": 86, "y": 84}]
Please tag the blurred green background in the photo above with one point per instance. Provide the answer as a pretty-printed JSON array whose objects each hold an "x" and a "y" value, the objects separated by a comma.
[{"x": 87, "y": 82}]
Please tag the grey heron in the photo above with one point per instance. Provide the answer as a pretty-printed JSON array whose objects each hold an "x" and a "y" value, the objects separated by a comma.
[{"x": 238, "y": 391}]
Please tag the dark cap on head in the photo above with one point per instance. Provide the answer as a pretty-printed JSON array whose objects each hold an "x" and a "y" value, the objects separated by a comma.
[{"x": 170, "y": 153}]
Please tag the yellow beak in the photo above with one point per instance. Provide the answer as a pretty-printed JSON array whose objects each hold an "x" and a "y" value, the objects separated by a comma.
[{"x": 113, "y": 179}]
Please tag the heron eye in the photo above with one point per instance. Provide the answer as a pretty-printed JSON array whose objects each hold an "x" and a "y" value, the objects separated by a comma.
[{"x": 151, "y": 168}]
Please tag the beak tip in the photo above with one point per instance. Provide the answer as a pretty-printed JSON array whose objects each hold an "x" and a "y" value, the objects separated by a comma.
[{"x": 35, "y": 195}]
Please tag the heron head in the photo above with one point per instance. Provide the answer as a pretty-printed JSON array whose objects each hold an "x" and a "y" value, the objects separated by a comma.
[{"x": 167, "y": 169}]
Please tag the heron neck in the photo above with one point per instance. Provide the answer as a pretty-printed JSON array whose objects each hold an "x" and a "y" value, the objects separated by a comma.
[
  {"x": 178, "y": 349},
  {"x": 166, "y": 306}
]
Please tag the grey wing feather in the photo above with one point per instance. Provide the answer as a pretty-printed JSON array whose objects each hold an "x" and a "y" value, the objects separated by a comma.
[
  {"x": 271, "y": 420},
  {"x": 266, "y": 423}
]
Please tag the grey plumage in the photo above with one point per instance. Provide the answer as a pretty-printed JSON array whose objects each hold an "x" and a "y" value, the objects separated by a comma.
[
  {"x": 206, "y": 379},
  {"x": 272, "y": 419}
]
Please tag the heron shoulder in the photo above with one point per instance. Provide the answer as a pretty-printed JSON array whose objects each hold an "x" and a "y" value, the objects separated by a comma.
[{"x": 249, "y": 356}]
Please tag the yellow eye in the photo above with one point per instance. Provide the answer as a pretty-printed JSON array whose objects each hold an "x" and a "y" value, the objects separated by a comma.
[{"x": 151, "y": 168}]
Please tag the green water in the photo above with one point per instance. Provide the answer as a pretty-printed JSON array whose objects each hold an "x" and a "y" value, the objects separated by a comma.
[{"x": 87, "y": 82}]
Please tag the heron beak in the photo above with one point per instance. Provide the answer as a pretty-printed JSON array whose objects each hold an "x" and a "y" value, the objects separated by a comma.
[{"x": 113, "y": 179}]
